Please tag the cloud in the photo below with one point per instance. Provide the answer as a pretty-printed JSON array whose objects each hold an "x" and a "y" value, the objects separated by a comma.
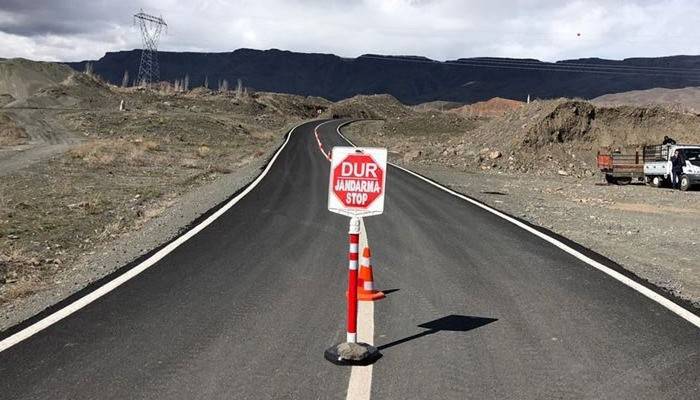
[{"x": 440, "y": 29}]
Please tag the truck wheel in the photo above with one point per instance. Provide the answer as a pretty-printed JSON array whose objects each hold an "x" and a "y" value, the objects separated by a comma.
[
  {"x": 656, "y": 181},
  {"x": 610, "y": 179},
  {"x": 623, "y": 181},
  {"x": 685, "y": 183}
]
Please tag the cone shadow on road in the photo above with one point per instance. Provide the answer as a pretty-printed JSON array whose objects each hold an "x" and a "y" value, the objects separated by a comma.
[{"x": 450, "y": 323}]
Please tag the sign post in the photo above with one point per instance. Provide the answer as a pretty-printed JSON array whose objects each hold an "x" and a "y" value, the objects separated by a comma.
[{"x": 356, "y": 189}]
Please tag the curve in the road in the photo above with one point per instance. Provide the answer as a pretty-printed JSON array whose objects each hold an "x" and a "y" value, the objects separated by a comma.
[
  {"x": 651, "y": 294},
  {"x": 246, "y": 307}
]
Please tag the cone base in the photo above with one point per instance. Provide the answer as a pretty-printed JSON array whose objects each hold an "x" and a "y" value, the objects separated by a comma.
[{"x": 352, "y": 354}]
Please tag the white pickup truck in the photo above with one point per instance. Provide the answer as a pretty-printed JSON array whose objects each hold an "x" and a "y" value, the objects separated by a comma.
[{"x": 657, "y": 164}]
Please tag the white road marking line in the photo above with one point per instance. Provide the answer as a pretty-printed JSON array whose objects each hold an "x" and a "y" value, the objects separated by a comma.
[
  {"x": 150, "y": 261},
  {"x": 360, "y": 384},
  {"x": 318, "y": 140},
  {"x": 670, "y": 305}
]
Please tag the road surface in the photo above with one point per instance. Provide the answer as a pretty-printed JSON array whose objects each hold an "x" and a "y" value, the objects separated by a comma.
[{"x": 244, "y": 310}]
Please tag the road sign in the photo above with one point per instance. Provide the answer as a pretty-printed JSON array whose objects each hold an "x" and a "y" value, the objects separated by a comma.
[{"x": 357, "y": 181}]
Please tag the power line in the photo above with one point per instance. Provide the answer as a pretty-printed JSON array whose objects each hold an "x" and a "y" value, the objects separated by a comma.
[
  {"x": 588, "y": 65},
  {"x": 579, "y": 69},
  {"x": 533, "y": 66}
]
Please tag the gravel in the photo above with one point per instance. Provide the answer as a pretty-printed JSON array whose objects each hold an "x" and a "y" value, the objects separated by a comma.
[{"x": 651, "y": 232}]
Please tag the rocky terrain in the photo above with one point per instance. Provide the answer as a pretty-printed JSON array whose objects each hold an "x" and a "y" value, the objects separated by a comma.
[
  {"x": 495, "y": 107},
  {"x": 537, "y": 162},
  {"x": 79, "y": 175}
]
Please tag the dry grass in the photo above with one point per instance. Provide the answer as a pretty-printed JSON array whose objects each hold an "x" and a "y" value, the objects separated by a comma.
[
  {"x": 20, "y": 272},
  {"x": 110, "y": 231},
  {"x": 108, "y": 152}
]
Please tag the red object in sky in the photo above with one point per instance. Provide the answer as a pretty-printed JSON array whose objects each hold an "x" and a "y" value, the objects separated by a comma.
[{"x": 357, "y": 181}]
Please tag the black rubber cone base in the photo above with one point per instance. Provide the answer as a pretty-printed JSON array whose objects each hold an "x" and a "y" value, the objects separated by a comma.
[{"x": 352, "y": 354}]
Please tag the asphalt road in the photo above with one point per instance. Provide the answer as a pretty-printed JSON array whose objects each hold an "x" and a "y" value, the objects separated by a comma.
[{"x": 246, "y": 308}]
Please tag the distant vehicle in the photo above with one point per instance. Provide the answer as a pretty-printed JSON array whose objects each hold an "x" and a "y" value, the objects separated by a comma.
[
  {"x": 657, "y": 164},
  {"x": 652, "y": 165},
  {"x": 621, "y": 168}
]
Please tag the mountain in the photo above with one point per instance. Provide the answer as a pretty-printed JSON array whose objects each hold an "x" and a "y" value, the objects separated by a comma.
[{"x": 411, "y": 79}]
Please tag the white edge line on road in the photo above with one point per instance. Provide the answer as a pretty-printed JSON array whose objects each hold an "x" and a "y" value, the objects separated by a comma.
[
  {"x": 360, "y": 384},
  {"x": 670, "y": 305},
  {"x": 150, "y": 261}
]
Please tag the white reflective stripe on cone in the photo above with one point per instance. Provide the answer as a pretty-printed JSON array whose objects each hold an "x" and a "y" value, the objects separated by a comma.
[
  {"x": 369, "y": 285},
  {"x": 352, "y": 337}
]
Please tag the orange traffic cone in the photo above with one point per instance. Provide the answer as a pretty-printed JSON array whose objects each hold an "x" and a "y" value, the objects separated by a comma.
[{"x": 365, "y": 279}]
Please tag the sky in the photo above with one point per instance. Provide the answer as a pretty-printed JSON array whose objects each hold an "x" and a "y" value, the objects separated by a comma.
[{"x": 548, "y": 30}]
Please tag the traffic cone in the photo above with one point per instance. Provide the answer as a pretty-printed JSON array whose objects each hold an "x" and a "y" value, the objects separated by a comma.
[{"x": 365, "y": 279}]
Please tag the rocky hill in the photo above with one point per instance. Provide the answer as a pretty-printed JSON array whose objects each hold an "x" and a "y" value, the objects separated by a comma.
[
  {"x": 412, "y": 80},
  {"x": 490, "y": 108},
  {"x": 684, "y": 99}
]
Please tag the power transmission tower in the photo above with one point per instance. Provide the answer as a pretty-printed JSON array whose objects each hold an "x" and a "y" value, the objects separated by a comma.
[{"x": 151, "y": 28}]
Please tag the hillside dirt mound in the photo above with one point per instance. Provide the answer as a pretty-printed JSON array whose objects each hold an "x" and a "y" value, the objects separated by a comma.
[
  {"x": 494, "y": 107},
  {"x": 33, "y": 84},
  {"x": 78, "y": 90},
  {"x": 437, "y": 105},
  {"x": 379, "y": 106},
  {"x": 680, "y": 100},
  {"x": 20, "y": 78},
  {"x": 562, "y": 136},
  {"x": 288, "y": 104}
]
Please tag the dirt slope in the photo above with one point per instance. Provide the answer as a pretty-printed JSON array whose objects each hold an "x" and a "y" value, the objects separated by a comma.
[
  {"x": 379, "y": 106},
  {"x": 20, "y": 78},
  {"x": 400, "y": 121},
  {"x": 682, "y": 100},
  {"x": 495, "y": 107},
  {"x": 437, "y": 105},
  {"x": 562, "y": 136}
]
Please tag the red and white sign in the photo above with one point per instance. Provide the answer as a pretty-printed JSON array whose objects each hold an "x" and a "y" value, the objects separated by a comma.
[{"x": 357, "y": 181}]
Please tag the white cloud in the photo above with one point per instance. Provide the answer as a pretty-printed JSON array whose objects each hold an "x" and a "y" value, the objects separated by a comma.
[{"x": 439, "y": 29}]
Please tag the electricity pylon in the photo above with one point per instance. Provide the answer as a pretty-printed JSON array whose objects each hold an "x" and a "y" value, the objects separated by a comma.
[{"x": 151, "y": 28}]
